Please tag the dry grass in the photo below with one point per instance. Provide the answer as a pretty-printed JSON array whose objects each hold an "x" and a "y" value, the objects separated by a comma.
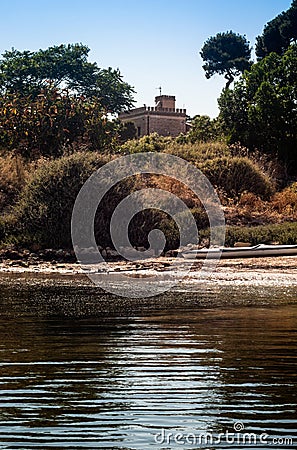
[
  {"x": 285, "y": 202},
  {"x": 13, "y": 175},
  {"x": 246, "y": 192},
  {"x": 198, "y": 152},
  {"x": 173, "y": 186},
  {"x": 252, "y": 210}
]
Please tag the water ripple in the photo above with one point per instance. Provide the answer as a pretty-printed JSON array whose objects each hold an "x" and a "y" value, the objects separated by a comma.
[{"x": 118, "y": 384}]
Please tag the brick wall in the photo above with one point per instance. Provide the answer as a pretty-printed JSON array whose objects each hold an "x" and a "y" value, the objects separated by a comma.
[
  {"x": 165, "y": 124},
  {"x": 165, "y": 101}
]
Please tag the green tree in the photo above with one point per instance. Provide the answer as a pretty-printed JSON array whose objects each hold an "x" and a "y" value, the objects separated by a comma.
[
  {"x": 51, "y": 122},
  {"x": 64, "y": 66},
  {"x": 289, "y": 28},
  {"x": 127, "y": 131},
  {"x": 260, "y": 112},
  {"x": 205, "y": 129},
  {"x": 272, "y": 39},
  {"x": 227, "y": 54},
  {"x": 278, "y": 33}
]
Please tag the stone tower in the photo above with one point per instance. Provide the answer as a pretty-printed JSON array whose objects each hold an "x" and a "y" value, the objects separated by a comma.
[{"x": 163, "y": 118}]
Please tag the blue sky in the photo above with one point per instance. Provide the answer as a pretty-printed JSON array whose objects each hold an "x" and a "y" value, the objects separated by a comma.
[{"x": 154, "y": 43}]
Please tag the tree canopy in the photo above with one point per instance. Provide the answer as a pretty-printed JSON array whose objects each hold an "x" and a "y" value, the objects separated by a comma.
[
  {"x": 260, "y": 112},
  {"x": 205, "y": 129},
  {"x": 55, "y": 99},
  {"x": 64, "y": 66},
  {"x": 227, "y": 54},
  {"x": 53, "y": 122},
  {"x": 279, "y": 33}
]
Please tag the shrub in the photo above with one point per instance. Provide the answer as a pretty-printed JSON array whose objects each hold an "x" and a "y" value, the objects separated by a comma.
[
  {"x": 236, "y": 175},
  {"x": 43, "y": 213},
  {"x": 251, "y": 202},
  {"x": 198, "y": 151},
  {"x": 285, "y": 233},
  {"x": 285, "y": 202},
  {"x": 12, "y": 177},
  {"x": 151, "y": 219},
  {"x": 150, "y": 143},
  {"x": 148, "y": 220}
]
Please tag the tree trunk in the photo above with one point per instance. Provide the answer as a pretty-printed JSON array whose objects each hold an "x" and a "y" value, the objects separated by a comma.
[{"x": 230, "y": 78}]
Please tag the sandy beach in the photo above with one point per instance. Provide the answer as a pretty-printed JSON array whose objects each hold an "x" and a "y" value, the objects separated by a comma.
[
  {"x": 269, "y": 271},
  {"x": 62, "y": 289}
]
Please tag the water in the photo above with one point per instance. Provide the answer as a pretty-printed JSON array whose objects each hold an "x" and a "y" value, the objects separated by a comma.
[{"x": 128, "y": 382}]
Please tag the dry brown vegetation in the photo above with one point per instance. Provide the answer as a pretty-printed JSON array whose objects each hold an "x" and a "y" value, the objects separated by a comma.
[{"x": 33, "y": 195}]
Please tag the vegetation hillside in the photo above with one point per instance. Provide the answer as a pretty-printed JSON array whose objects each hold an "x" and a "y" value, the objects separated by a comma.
[{"x": 37, "y": 196}]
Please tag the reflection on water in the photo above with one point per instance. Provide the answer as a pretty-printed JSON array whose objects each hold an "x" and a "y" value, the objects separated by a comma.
[{"x": 117, "y": 382}]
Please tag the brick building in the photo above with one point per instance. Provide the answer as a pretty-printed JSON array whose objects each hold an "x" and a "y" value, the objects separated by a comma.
[{"x": 163, "y": 118}]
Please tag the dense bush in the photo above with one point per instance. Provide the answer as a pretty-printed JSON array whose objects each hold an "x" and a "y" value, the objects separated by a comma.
[
  {"x": 237, "y": 175},
  {"x": 148, "y": 220},
  {"x": 12, "y": 177},
  {"x": 198, "y": 151},
  {"x": 150, "y": 143},
  {"x": 285, "y": 202},
  {"x": 285, "y": 233},
  {"x": 181, "y": 146},
  {"x": 43, "y": 213}
]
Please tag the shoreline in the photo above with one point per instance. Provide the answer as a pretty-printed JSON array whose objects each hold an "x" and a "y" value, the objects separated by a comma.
[
  {"x": 63, "y": 290},
  {"x": 262, "y": 271}
]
